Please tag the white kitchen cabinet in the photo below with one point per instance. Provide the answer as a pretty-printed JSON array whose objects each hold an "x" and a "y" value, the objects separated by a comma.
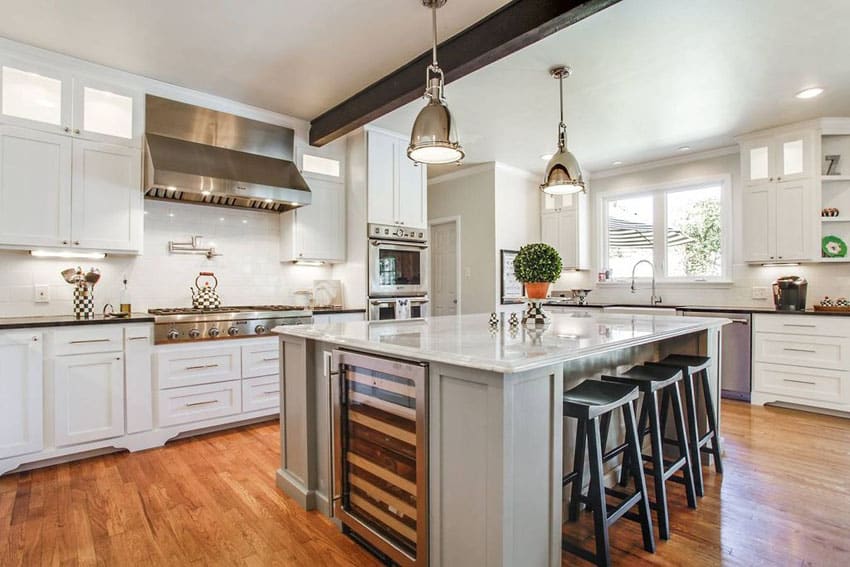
[
  {"x": 51, "y": 100},
  {"x": 198, "y": 403},
  {"x": 261, "y": 358},
  {"x": 261, "y": 393},
  {"x": 316, "y": 232},
  {"x": 138, "y": 380},
  {"x": 60, "y": 192},
  {"x": 564, "y": 226},
  {"x": 21, "y": 379},
  {"x": 88, "y": 397},
  {"x": 397, "y": 188},
  {"x": 106, "y": 197},
  {"x": 779, "y": 221},
  {"x": 35, "y": 188},
  {"x": 191, "y": 365},
  {"x": 782, "y": 156},
  {"x": 328, "y": 318}
]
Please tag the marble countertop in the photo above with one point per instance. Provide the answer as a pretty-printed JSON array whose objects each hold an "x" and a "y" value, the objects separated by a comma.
[
  {"x": 69, "y": 320},
  {"x": 467, "y": 340}
]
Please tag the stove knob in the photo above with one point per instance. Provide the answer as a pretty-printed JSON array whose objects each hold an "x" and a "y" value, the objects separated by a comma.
[
  {"x": 260, "y": 329},
  {"x": 173, "y": 334},
  {"x": 399, "y": 233},
  {"x": 232, "y": 331},
  {"x": 194, "y": 333},
  {"x": 214, "y": 332}
]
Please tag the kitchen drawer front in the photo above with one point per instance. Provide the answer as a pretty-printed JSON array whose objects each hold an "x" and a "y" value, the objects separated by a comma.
[
  {"x": 88, "y": 340},
  {"x": 202, "y": 365},
  {"x": 825, "y": 325},
  {"x": 832, "y": 353},
  {"x": 816, "y": 385},
  {"x": 197, "y": 403},
  {"x": 261, "y": 359},
  {"x": 261, "y": 393},
  {"x": 137, "y": 335}
]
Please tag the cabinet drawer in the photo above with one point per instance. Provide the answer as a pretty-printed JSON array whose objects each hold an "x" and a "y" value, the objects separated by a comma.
[
  {"x": 261, "y": 393},
  {"x": 200, "y": 365},
  {"x": 88, "y": 340},
  {"x": 826, "y": 325},
  {"x": 802, "y": 350},
  {"x": 261, "y": 359},
  {"x": 197, "y": 403},
  {"x": 135, "y": 335},
  {"x": 810, "y": 384}
]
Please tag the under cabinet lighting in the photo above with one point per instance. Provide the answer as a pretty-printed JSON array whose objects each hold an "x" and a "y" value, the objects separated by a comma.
[
  {"x": 67, "y": 254},
  {"x": 685, "y": 149},
  {"x": 809, "y": 93},
  {"x": 780, "y": 264},
  {"x": 617, "y": 163},
  {"x": 308, "y": 263}
]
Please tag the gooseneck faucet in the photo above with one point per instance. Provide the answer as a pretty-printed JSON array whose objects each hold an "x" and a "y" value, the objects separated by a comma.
[{"x": 654, "y": 299}]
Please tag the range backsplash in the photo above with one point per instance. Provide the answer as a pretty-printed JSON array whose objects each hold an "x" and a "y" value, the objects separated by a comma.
[{"x": 249, "y": 270}]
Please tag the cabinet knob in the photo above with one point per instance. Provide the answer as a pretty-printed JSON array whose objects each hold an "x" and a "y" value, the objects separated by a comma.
[
  {"x": 66, "y": 129},
  {"x": 779, "y": 179},
  {"x": 65, "y": 242},
  {"x": 35, "y": 339},
  {"x": 76, "y": 243},
  {"x": 76, "y": 130}
]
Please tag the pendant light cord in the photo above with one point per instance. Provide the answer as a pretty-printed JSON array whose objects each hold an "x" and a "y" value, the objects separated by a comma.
[
  {"x": 562, "y": 128},
  {"x": 434, "y": 26},
  {"x": 434, "y": 92}
]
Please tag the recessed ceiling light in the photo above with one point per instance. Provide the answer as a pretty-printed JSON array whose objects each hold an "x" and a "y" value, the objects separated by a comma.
[
  {"x": 809, "y": 93},
  {"x": 221, "y": 219},
  {"x": 546, "y": 157},
  {"x": 244, "y": 221},
  {"x": 205, "y": 193},
  {"x": 684, "y": 148},
  {"x": 171, "y": 188},
  {"x": 171, "y": 214},
  {"x": 269, "y": 201},
  {"x": 617, "y": 163}
]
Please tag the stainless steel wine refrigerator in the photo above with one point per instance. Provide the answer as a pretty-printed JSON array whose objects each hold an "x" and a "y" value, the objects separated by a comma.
[{"x": 381, "y": 454}]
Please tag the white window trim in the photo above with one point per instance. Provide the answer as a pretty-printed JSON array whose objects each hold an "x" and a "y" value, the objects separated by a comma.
[{"x": 659, "y": 221}]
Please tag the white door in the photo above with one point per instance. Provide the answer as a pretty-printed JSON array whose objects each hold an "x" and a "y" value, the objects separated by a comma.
[
  {"x": 444, "y": 257},
  {"x": 21, "y": 411},
  {"x": 793, "y": 220},
  {"x": 320, "y": 226},
  {"x": 35, "y": 96},
  {"x": 412, "y": 196},
  {"x": 106, "y": 197},
  {"x": 88, "y": 393},
  {"x": 381, "y": 177},
  {"x": 107, "y": 113},
  {"x": 35, "y": 188},
  {"x": 758, "y": 222}
]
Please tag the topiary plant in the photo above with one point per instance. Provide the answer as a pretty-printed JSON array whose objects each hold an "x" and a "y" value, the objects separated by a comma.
[{"x": 537, "y": 262}]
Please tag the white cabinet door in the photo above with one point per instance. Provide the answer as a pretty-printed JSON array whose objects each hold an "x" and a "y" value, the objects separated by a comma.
[
  {"x": 550, "y": 230},
  {"x": 794, "y": 156},
  {"x": 35, "y": 96},
  {"x": 758, "y": 161},
  {"x": 88, "y": 395},
  {"x": 320, "y": 226},
  {"x": 412, "y": 195},
  {"x": 21, "y": 414},
  {"x": 793, "y": 221},
  {"x": 758, "y": 223},
  {"x": 35, "y": 188},
  {"x": 138, "y": 380},
  {"x": 107, "y": 113},
  {"x": 106, "y": 197},
  {"x": 569, "y": 238},
  {"x": 381, "y": 158}
]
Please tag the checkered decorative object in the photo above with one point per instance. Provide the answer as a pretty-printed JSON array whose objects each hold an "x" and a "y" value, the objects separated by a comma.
[
  {"x": 494, "y": 320},
  {"x": 534, "y": 317},
  {"x": 206, "y": 301},
  {"x": 513, "y": 321},
  {"x": 83, "y": 302}
]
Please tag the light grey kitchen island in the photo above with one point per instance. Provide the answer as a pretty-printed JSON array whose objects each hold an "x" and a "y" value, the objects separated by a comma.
[{"x": 441, "y": 441}]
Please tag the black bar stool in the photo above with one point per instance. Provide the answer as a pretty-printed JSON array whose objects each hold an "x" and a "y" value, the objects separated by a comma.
[
  {"x": 587, "y": 402},
  {"x": 695, "y": 367},
  {"x": 650, "y": 380}
]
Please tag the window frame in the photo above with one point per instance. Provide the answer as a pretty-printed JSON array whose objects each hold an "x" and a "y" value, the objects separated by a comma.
[{"x": 659, "y": 193}]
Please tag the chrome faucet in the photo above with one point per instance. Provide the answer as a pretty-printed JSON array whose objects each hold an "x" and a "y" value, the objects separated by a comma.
[{"x": 653, "y": 299}]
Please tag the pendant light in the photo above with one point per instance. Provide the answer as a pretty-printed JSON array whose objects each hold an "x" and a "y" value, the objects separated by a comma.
[
  {"x": 434, "y": 136},
  {"x": 563, "y": 174}
]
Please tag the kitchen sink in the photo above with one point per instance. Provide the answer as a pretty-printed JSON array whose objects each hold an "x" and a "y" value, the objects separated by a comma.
[{"x": 640, "y": 310}]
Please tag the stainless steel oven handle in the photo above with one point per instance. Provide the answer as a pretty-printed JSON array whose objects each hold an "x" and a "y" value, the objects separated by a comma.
[{"x": 398, "y": 243}]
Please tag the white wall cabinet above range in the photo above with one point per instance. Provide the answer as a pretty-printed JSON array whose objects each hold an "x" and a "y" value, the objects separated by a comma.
[
  {"x": 59, "y": 192},
  {"x": 316, "y": 232},
  {"x": 564, "y": 226},
  {"x": 50, "y": 99},
  {"x": 397, "y": 188}
]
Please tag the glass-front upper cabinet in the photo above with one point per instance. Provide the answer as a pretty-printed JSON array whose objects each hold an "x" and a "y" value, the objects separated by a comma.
[
  {"x": 45, "y": 98},
  {"x": 757, "y": 156},
  {"x": 784, "y": 157}
]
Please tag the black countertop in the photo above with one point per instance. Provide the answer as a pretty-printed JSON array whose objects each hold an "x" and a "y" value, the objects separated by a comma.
[
  {"x": 69, "y": 320},
  {"x": 332, "y": 311}
]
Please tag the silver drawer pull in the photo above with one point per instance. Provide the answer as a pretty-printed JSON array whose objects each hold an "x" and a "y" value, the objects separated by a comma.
[
  {"x": 90, "y": 341},
  {"x": 272, "y": 392},
  {"x": 799, "y": 349},
  {"x": 205, "y": 402},
  {"x": 201, "y": 366},
  {"x": 271, "y": 359},
  {"x": 800, "y": 381},
  {"x": 741, "y": 321},
  {"x": 136, "y": 338},
  {"x": 798, "y": 325}
]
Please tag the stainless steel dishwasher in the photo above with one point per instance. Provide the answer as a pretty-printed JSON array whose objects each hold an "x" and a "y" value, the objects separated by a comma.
[{"x": 735, "y": 353}]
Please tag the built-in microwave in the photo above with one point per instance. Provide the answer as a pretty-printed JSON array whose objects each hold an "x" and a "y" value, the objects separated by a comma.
[{"x": 398, "y": 261}]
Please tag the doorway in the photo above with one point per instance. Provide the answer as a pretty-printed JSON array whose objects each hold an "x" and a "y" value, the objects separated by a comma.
[{"x": 445, "y": 266}]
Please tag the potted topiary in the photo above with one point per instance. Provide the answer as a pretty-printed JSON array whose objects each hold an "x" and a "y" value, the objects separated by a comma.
[{"x": 537, "y": 266}]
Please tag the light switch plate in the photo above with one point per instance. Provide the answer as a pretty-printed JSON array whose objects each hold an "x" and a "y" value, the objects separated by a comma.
[
  {"x": 41, "y": 294},
  {"x": 760, "y": 292}
]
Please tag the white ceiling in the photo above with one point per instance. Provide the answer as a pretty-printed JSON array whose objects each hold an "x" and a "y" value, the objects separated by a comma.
[
  {"x": 296, "y": 57},
  {"x": 650, "y": 76}
]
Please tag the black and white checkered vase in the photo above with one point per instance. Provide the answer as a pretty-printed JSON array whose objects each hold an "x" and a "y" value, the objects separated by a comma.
[
  {"x": 83, "y": 303},
  {"x": 534, "y": 317}
]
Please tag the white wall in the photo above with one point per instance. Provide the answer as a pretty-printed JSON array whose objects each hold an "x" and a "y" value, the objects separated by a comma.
[{"x": 832, "y": 279}]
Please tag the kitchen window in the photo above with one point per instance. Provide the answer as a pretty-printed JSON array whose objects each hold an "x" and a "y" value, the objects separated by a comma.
[{"x": 682, "y": 229}]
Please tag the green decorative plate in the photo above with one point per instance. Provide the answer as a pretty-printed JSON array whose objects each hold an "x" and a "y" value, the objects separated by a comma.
[{"x": 833, "y": 247}]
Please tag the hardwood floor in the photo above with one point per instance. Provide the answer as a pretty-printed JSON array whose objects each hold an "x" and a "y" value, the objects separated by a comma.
[{"x": 211, "y": 500}]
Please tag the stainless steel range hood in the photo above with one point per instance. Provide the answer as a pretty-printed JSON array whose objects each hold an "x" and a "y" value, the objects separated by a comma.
[{"x": 203, "y": 156}]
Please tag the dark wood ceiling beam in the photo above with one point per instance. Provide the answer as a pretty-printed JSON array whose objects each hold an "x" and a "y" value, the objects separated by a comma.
[{"x": 509, "y": 29}]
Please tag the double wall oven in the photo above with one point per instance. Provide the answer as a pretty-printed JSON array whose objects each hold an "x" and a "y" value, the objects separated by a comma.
[{"x": 398, "y": 272}]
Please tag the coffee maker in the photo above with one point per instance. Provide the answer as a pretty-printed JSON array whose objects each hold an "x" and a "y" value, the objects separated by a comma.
[{"x": 789, "y": 293}]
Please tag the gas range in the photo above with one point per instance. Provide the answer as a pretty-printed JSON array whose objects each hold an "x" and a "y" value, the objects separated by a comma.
[{"x": 182, "y": 324}]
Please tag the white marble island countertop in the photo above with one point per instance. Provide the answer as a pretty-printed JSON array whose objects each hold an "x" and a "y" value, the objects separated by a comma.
[{"x": 467, "y": 340}]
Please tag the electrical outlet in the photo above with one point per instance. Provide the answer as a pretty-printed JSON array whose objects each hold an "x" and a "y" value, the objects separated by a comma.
[
  {"x": 41, "y": 294},
  {"x": 760, "y": 292}
]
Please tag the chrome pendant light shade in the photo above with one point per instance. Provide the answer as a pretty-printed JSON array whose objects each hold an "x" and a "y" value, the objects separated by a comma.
[
  {"x": 434, "y": 136},
  {"x": 563, "y": 173}
]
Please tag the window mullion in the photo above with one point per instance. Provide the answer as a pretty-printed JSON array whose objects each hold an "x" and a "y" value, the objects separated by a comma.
[{"x": 659, "y": 224}]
